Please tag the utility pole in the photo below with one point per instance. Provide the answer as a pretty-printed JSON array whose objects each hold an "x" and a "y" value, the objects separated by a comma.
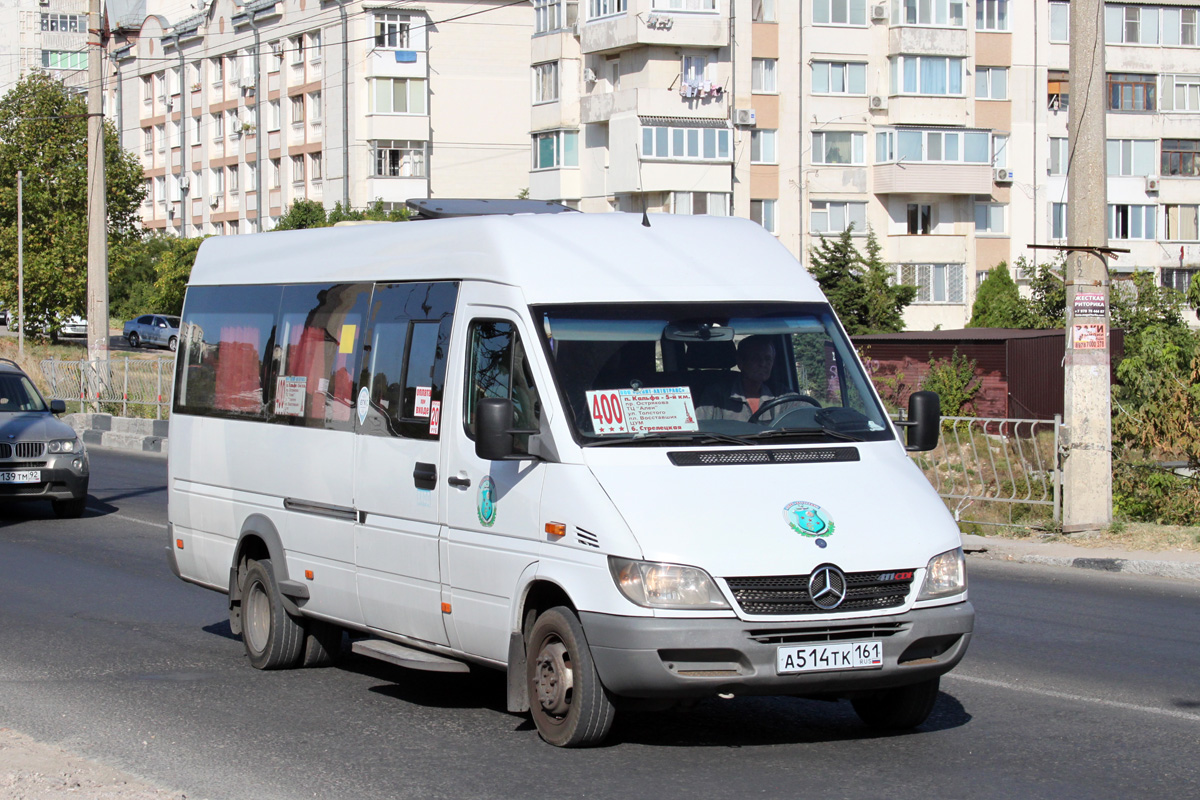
[
  {"x": 20, "y": 264},
  {"x": 97, "y": 251},
  {"x": 1087, "y": 468}
]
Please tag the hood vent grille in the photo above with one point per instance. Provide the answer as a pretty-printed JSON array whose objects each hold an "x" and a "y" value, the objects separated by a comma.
[
  {"x": 587, "y": 538},
  {"x": 726, "y": 458}
]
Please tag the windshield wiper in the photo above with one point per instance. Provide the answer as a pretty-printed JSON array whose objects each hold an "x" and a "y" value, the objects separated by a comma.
[
  {"x": 779, "y": 433},
  {"x": 673, "y": 436}
]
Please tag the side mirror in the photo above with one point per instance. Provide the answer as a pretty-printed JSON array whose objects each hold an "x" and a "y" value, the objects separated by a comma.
[
  {"x": 493, "y": 429},
  {"x": 58, "y": 406},
  {"x": 924, "y": 420}
]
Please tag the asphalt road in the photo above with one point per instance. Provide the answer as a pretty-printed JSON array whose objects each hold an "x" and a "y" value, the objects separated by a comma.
[{"x": 1076, "y": 685}]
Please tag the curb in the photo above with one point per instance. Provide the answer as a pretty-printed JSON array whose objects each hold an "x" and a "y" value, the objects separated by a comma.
[
  {"x": 120, "y": 433},
  {"x": 1185, "y": 567}
]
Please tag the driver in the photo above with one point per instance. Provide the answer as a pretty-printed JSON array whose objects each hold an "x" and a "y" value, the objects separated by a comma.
[{"x": 743, "y": 392}]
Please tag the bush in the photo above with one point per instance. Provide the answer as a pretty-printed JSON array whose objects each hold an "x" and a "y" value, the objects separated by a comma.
[{"x": 955, "y": 381}]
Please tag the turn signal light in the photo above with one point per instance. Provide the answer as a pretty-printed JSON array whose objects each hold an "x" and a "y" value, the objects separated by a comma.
[
  {"x": 445, "y": 608},
  {"x": 179, "y": 543},
  {"x": 308, "y": 574},
  {"x": 556, "y": 529}
]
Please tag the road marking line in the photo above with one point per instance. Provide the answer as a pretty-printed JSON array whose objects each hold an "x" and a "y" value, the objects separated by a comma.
[
  {"x": 1166, "y": 712},
  {"x": 135, "y": 519}
]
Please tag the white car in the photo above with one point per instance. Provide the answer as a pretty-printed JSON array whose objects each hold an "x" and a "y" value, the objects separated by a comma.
[{"x": 73, "y": 327}]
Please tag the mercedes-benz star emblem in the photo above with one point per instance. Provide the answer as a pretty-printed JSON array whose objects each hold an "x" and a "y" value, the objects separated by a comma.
[{"x": 827, "y": 587}]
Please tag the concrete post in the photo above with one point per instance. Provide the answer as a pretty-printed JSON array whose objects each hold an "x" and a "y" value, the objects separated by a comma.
[{"x": 97, "y": 253}]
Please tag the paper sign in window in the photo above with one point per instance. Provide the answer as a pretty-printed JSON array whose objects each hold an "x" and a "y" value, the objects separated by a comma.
[
  {"x": 346, "y": 343},
  {"x": 659, "y": 410},
  {"x": 289, "y": 395},
  {"x": 435, "y": 417},
  {"x": 424, "y": 398}
]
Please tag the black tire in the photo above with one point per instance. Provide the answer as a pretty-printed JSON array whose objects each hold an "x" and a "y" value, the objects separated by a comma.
[
  {"x": 273, "y": 639},
  {"x": 70, "y": 509},
  {"x": 569, "y": 705},
  {"x": 135, "y": 341},
  {"x": 322, "y": 643},
  {"x": 898, "y": 709},
  {"x": 174, "y": 343}
]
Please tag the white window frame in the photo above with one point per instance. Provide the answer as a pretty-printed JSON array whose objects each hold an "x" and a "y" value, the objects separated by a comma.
[
  {"x": 1060, "y": 155},
  {"x": 316, "y": 168},
  {"x": 937, "y": 284},
  {"x": 1177, "y": 87},
  {"x": 1180, "y": 27},
  {"x": 393, "y": 31},
  {"x": 665, "y": 143},
  {"x": 415, "y": 88},
  {"x": 953, "y": 67},
  {"x": 844, "y": 13},
  {"x": 857, "y": 144},
  {"x": 764, "y": 11},
  {"x": 1060, "y": 17},
  {"x": 598, "y": 9},
  {"x": 993, "y": 16},
  {"x": 545, "y": 83},
  {"x": 764, "y": 76},
  {"x": 298, "y": 171},
  {"x": 766, "y": 213},
  {"x": 565, "y": 150},
  {"x": 1171, "y": 217},
  {"x": 763, "y": 149},
  {"x": 1122, "y": 157},
  {"x": 995, "y": 218},
  {"x": 1139, "y": 223},
  {"x": 833, "y": 217},
  {"x": 296, "y": 115},
  {"x": 399, "y": 158},
  {"x": 216, "y": 71},
  {"x": 847, "y": 73},
  {"x": 986, "y": 79},
  {"x": 160, "y": 138},
  {"x": 685, "y": 203},
  {"x": 929, "y": 13}
]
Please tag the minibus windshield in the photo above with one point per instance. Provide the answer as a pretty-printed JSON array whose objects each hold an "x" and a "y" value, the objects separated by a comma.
[{"x": 712, "y": 373}]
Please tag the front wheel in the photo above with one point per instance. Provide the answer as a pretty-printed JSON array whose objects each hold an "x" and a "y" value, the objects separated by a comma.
[
  {"x": 174, "y": 343},
  {"x": 273, "y": 640},
  {"x": 135, "y": 341},
  {"x": 70, "y": 509},
  {"x": 570, "y": 706},
  {"x": 900, "y": 708}
]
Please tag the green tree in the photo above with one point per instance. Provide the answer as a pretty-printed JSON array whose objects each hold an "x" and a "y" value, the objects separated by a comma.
[
  {"x": 860, "y": 289},
  {"x": 998, "y": 302},
  {"x": 43, "y": 133},
  {"x": 172, "y": 270},
  {"x": 131, "y": 274},
  {"x": 303, "y": 214},
  {"x": 1048, "y": 292},
  {"x": 954, "y": 380}
]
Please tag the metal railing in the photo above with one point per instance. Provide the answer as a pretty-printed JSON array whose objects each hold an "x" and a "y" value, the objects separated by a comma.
[
  {"x": 127, "y": 382},
  {"x": 1004, "y": 470}
]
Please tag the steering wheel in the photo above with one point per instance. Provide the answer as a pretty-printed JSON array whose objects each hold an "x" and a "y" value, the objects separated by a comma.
[{"x": 790, "y": 397}]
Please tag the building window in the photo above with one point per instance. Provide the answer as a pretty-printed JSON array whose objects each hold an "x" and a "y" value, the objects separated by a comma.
[
  {"x": 830, "y": 217},
  {"x": 391, "y": 31},
  {"x": 545, "y": 82},
  {"x": 1130, "y": 221},
  {"x": 314, "y": 47},
  {"x": 989, "y": 219},
  {"x": 235, "y": 179},
  {"x": 762, "y": 146},
  {"x": 1131, "y": 92},
  {"x": 1060, "y": 156},
  {"x": 1058, "y": 221},
  {"x": 762, "y": 76},
  {"x": 684, "y": 5},
  {"x": 148, "y": 140},
  {"x": 217, "y": 124},
  {"x": 314, "y": 108},
  {"x": 763, "y": 11},
  {"x": 836, "y": 77},
  {"x": 927, "y": 75},
  {"x": 296, "y": 48},
  {"x": 217, "y": 182},
  {"x": 276, "y": 177},
  {"x": 1179, "y": 26},
  {"x": 298, "y": 109},
  {"x": 60, "y": 59},
  {"x": 955, "y": 147},
  {"x": 1131, "y": 156},
  {"x": 999, "y": 150},
  {"x": 147, "y": 89},
  {"x": 315, "y": 164},
  {"x": 273, "y": 116},
  {"x": 936, "y": 283},
  {"x": 991, "y": 83},
  {"x": 707, "y": 144},
  {"x": 763, "y": 212},
  {"x": 399, "y": 159},
  {"x": 1181, "y": 157},
  {"x": 398, "y": 96},
  {"x": 216, "y": 71},
  {"x": 160, "y": 189},
  {"x": 556, "y": 149},
  {"x": 1178, "y": 279},
  {"x": 991, "y": 15},
  {"x": 839, "y": 12},
  {"x": 1180, "y": 93},
  {"x": 64, "y": 23},
  {"x": 942, "y": 13},
  {"x": 297, "y": 169},
  {"x": 1130, "y": 25},
  {"x": 1058, "y": 89},
  {"x": 605, "y": 8},
  {"x": 714, "y": 204},
  {"x": 837, "y": 147},
  {"x": 553, "y": 15},
  {"x": 920, "y": 219},
  {"x": 1060, "y": 22},
  {"x": 1182, "y": 222}
]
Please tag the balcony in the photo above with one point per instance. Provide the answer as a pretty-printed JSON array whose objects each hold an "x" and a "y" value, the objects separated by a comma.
[
  {"x": 918, "y": 178},
  {"x": 603, "y": 106},
  {"x": 642, "y": 25},
  {"x": 921, "y": 41}
]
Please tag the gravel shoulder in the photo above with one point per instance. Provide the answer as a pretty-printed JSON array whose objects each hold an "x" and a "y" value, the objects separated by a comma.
[{"x": 30, "y": 770}]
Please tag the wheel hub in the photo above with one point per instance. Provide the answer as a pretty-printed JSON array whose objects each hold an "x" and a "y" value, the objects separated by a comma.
[{"x": 553, "y": 678}]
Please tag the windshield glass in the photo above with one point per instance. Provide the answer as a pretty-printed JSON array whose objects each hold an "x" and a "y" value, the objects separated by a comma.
[
  {"x": 734, "y": 373},
  {"x": 17, "y": 393}
]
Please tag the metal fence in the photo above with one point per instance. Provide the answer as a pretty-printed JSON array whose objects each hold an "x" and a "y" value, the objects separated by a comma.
[
  {"x": 127, "y": 382},
  {"x": 994, "y": 471}
]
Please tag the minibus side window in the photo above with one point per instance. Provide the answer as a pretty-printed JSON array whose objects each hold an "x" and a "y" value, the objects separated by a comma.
[
  {"x": 316, "y": 352},
  {"x": 226, "y": 338},
  {"x": 405, "y": 365},
  {"x": 499, "y": 367}
]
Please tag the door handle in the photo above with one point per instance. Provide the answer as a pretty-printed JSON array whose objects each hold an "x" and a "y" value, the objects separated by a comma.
[
  {"x": 425, "y": 475},
  {"x": 461, "y": 483}
]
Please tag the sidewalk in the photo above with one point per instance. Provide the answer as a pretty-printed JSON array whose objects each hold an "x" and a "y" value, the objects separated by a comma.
[{"x": 1177, "y": 564}]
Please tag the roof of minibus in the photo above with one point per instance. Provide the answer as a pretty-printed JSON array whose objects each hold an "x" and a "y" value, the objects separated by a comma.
[{"x": 553, "y": 258}]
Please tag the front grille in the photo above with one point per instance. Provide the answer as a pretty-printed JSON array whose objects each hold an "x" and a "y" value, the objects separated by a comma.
[
  {"x": 29, "y": 449},
  {"x": 788, "y": 594},
  {"x": 716, "y": 458},
  {"x": 828, "y": 633},
  {"x": 18, "y": 465},
  {"x": 5, "y": 450}
]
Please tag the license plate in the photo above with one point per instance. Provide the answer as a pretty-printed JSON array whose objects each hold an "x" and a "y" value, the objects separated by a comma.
[
  {"x": 28, "y": 476},
  {"x": 829, "y": 656}
]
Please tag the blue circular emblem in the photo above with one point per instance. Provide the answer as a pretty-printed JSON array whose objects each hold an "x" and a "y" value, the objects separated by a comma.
[
  {"x": 808, "y": 519},
  {"x": 485, "y": 504}
]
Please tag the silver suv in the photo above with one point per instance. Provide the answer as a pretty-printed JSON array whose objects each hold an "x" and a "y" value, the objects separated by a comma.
[{"x": 41, "y": 458}]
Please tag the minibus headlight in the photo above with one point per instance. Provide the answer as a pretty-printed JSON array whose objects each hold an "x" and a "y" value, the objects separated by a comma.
[
  {"x": 64, "y": 446},
  {"x": 946, "y": 575},
  {"x": 657, "y": 585}
]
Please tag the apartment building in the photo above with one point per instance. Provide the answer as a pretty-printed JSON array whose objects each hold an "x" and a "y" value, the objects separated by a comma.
[
  {"x": 939, "y": 124},
  {"x": 43, "y": 35},
  {"x": 238, "y": 111}
]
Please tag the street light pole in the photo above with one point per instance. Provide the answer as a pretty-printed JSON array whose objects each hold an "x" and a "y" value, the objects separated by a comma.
[
  {"x": 97, "y": 251},
  {"x": 20, "y": 264}
]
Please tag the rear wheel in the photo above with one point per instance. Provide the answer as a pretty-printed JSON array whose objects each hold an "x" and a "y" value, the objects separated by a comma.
[
  {"x": 273, "y": 639},
  {"x": 174, "y": 343},
  {"x": 570, "y": 706},
  {"x": 135, "y": 341},
  {"x": 900, "y": 708}
]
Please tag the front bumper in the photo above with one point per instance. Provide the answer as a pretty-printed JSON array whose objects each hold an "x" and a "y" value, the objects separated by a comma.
[
  {"x": 683, "y": 658},
  {"x": 61, "y": 479}
]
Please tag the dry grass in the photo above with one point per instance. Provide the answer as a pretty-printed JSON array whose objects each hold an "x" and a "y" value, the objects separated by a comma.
[{"x": 1125, "y": 535}]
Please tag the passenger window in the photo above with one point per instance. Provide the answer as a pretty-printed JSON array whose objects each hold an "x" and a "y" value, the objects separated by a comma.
[
  {"x": 223, "y": 367},
  {"x": 316, "y": 353},
  {"x": 499, "y": 367},
  {"x": 405, "y": 366}
]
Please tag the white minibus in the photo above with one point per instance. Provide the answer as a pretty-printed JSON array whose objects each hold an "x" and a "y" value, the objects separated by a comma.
[{"x": 631, "y": 460}]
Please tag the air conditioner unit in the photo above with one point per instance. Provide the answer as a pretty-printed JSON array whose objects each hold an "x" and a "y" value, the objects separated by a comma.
[
  {"x": 1002, "y": 175},
  {"x": 878, "y": 102},
  {"x": 589, "y": 75},
  {"x": 744, "y": 116},
  {"x": 879, "y": 13},
  {"x": 1151, "y": 184},
  {"x": 183, "y": 181},
  {"x": 214, "y": 201}
]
